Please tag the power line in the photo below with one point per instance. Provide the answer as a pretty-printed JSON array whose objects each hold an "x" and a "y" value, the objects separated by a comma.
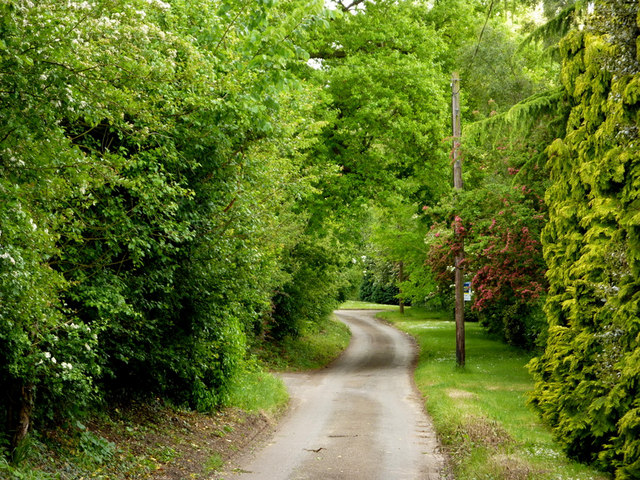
[{"x": 486, "y": 20}]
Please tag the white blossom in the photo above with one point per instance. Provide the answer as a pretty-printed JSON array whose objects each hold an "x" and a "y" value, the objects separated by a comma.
[
  {"x": 8, "y": 257},
  {"x": 159, "y": 4}
]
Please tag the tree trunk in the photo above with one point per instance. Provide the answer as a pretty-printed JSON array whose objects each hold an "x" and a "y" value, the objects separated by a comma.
[{"x": 21, "y": 422}]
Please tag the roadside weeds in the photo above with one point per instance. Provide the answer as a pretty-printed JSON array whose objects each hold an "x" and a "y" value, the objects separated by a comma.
[{"x": 142, "y": 441}]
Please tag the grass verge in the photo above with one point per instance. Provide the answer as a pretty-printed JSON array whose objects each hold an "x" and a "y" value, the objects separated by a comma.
[
  {"x": 358, "y": 305},
  {"x": 318, "y": 344},
  {"x": 480, "y": 410},
  {"x": 255, "y": 390},
  {"x": 152, "y": 440}
]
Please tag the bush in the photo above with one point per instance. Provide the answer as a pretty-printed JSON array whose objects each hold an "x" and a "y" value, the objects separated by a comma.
[
  {"x": 520, "y": 324},
  {"x": 374, "y": 291}
]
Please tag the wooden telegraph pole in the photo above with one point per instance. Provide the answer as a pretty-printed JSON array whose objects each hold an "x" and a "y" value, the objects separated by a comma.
[
  {"x": 400, "y": 280},
  {"x": 457, "y": 184}
]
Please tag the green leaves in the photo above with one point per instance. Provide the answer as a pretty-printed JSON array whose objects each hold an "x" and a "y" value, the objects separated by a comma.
[
  {"x": 591, "y": 248},
  {"x": 152, "y": 175}
]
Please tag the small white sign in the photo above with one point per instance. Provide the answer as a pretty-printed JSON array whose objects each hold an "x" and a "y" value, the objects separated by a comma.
[{"x": 467, "y": 291}]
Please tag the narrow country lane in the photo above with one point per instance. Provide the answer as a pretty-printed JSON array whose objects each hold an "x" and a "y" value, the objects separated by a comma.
[{"x": 361, "y": 418}]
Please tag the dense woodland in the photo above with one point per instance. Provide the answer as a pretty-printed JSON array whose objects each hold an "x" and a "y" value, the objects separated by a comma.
[{"x": 181, "y": 181}]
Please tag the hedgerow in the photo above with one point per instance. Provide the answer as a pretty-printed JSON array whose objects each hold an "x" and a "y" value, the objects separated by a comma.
[{"x": 588, "y": 379}]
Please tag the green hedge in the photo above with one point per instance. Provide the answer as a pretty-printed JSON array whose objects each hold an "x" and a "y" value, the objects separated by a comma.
[{"x": 588, "y": 379}]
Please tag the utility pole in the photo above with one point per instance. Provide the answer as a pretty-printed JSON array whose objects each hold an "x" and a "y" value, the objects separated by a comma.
[
  {"x": 457, "y": 184},
  {"x": 400, "y": 280}
]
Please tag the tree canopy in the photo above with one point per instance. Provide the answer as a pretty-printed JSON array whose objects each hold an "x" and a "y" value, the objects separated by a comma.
[{"x": 183, "y": 180}]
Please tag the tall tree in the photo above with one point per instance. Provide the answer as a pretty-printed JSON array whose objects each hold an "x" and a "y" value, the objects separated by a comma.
[{"x": 380, "y": 69}]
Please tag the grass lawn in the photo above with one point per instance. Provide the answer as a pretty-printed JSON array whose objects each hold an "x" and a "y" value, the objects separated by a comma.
[{"x": 480, "y": 411}]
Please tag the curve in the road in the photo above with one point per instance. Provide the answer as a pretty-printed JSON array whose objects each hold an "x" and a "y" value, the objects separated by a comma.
[{"x": 361, "y": 418}]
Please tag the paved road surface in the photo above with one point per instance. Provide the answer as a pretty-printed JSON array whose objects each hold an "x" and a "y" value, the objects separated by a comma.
[{"x": 359, "y": 419}]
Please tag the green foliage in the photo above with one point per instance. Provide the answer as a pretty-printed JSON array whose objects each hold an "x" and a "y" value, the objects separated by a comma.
[
  {"x": 500, "y": 215},
  {"x": 397, "y": 250},
  {"x": 480, "y": 412},
  {"x": 313, "y": 290},
  {"x": 379, "y": 285},
  {"x": 96, "y": 449},
  {"x": 588, "y": 378},
  {"x": 254, "y": 390},
  {"x": 213, "y": 463},
  {"x": 496, "y": 74},
  {"x": 562, "y": 17},
  {"x": 388, "y": 91},
  {"x": 511, "y": 111},
  {"x": 149, "y": 153},
  {"x": 170, "y": 189},
  {"x": 502, "y": 152}
]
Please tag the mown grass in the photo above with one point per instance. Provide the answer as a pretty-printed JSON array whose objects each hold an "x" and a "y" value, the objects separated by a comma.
[
  {"x": 480, "y": 410},
  {"x": 318, "y": 344},
  {"x": 358, "y": 305}
]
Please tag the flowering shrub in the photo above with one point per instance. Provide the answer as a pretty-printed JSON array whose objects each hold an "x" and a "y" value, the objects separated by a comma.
[
  {"x": 508, "y": 284},
  {"x": 511, "y": 267},
  {"x": 499, "y": 224}
]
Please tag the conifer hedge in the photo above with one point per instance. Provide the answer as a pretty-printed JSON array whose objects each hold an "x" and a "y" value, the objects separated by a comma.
[{"x": 588, "y": 378}]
